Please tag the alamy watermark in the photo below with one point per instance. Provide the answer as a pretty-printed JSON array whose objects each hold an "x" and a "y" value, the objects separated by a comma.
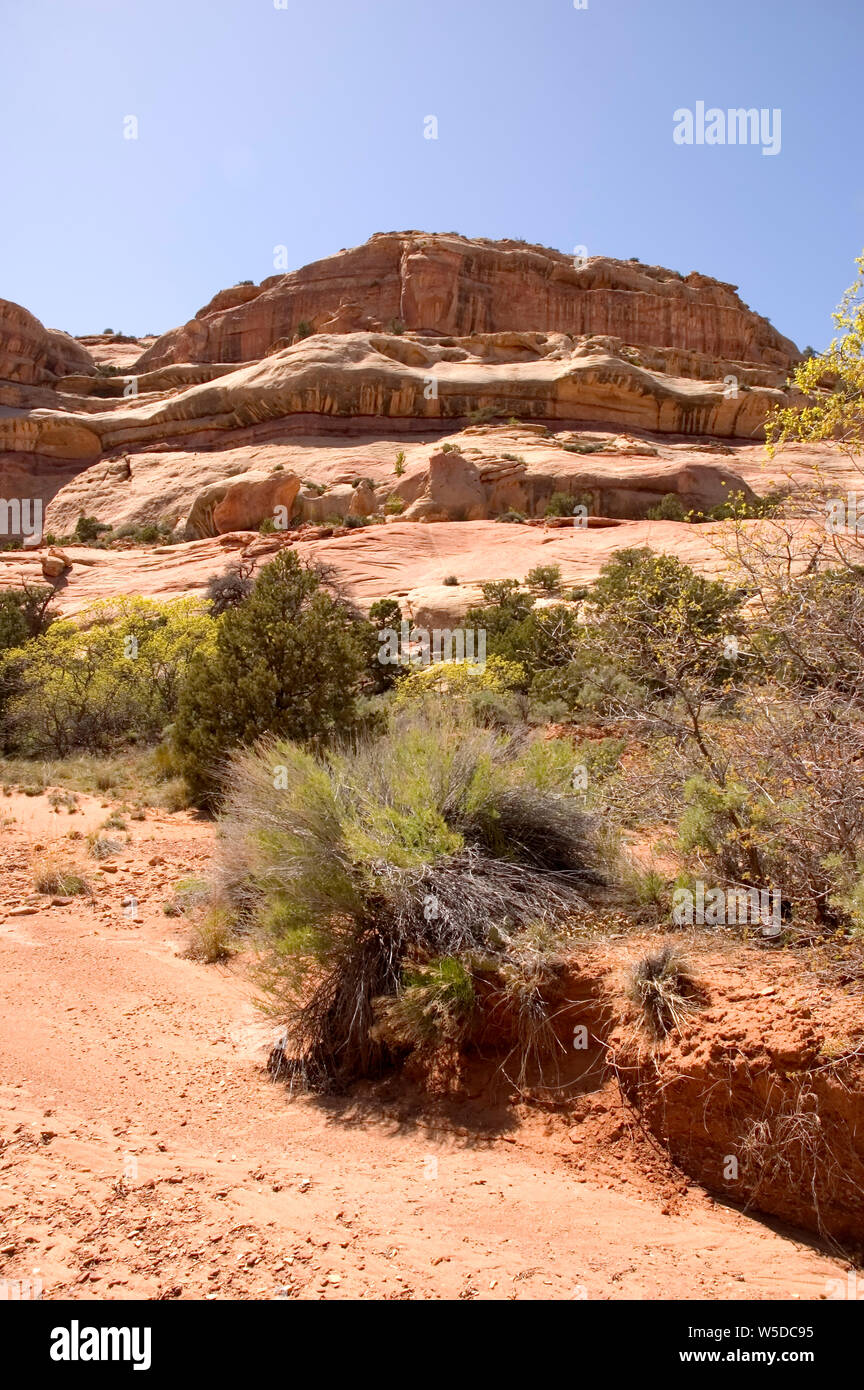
[
  {"x": 22, "y": 517},
  {"x": 738, "y": 126},
  {"x": 726, "y": 907},
  {"x": 421, "y": 646},
  {"x": 842, "y": 513}
]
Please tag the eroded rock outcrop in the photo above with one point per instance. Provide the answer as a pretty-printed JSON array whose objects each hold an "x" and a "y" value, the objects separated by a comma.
[
  {"x": 241, "y": 504},
  {"x": 365, "y": 379},
  {"x": 34, "y": 354},
  {"x": 451, "y": 285},
  {"x": 456, "y": 488}
]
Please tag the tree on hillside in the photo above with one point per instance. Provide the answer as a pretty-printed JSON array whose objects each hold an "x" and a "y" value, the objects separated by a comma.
[{"x": 287, "y": 661}]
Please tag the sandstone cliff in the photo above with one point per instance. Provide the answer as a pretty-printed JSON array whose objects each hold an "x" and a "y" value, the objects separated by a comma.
[
  {"x": 32, "y": 353},
  {"x": 325, "y": 375},
  {"x": 450, "y": 285}
]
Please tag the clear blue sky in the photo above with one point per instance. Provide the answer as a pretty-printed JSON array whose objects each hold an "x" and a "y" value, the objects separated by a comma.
[{"x": 303, "y": 126}]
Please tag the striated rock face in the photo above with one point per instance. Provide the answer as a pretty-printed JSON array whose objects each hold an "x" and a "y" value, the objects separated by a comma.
[
  {"x": 34, "y": 354},
  {"x": 452, "y": 286},
  {"x": 241, "y": 504},
  {"x": 332, "y": 389},
  {"x": 455, "y": 488},
  {"x": 364, "y": 378}
]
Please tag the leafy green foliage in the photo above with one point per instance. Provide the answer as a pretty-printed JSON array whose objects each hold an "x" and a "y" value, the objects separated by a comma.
[
  {"x": 547, "y": 578},
  {"x": 109, "y": 676},
  {"x": 391, "y": 869},
  {"x": 518, "y": 631},
  {"x": 288, "y": 660}
]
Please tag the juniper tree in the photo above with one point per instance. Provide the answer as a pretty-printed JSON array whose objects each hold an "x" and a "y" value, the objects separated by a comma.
[{"x": 288, "y": 660}]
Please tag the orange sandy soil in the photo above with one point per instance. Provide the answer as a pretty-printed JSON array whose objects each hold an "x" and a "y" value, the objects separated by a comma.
[{"x": 145, "y": 1153}]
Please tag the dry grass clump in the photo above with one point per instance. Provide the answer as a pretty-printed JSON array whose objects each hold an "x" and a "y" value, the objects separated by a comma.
[
  {"x": 103, "y": 846},
  {"x": 64, "y": 800},
  {"x": 59, "y": 877},
  {"x": 211, "y": 938},
  {"x": 189, "y": 893},
  {"x": 663, "y": 990},
  {"x": 382, "y": 883},
  {"x": 789, "y": 1147}
]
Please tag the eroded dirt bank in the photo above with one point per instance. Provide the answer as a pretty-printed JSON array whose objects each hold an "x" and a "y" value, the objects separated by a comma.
[{"x": 146, "y": 1154}]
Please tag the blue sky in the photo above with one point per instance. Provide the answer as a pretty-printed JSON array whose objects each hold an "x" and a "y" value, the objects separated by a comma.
[{"x": 304, "y": 127}]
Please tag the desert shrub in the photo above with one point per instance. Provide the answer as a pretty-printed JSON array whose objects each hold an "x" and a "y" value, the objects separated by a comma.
[
  {"x": 103, "y": 846},
  {"x": 583, "y": 447},
  {"x": 63, "y": 800},
  {"x": 511, "y": 517},
  {"x": 188, "y": 894},
  {"x": 563, "y": 504},
  {"x": 289, "y": 660},
  {"x": 738, "y": 506},
  {"x": 372, "y": 867},
  {"x": 107, "y": 677},
  {"x": 385, "y": 617},
  {"x": 484, "y": 415},
  {"x": 669, "y": 508},
  {"x": 399, "y": 467},
  {"x": 394, "y": 505},
  {"x": 586, "y": 681},
  {"x": 211, "y": 939},
  {"x": 88, "y": 528},
  {"x": 434, "y": 1005},
  {"x": 450, "y": 579},
  {"x": 517, "y": 630},
  {"x": 497, "y": 709},
  {"x": 24, "y": 613},
  {"x": 460, "y": 678},
  {"x": 151, "y": 533},
  {"x": 304, "y": 329},
  {"x": 810, "y": 634},
  {"x": 663, "y": 990},
  {"x": 54, "y": 875},
  {"x": 547, "y": 578},
  {"x": 658, "y": 619},
  {"x": 226, "y": 590}
]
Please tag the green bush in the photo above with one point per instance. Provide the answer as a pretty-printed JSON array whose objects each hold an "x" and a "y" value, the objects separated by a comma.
[
  {"x": 24, "y": 613},
  {"x": 407, "y": 865},
  {"x": 564, "y": 504},
  {"x": 518, "y": 631},
  {"x": 667, "y": 509},
  {"x": 87, "y": 528},
  {"x": 457, "y": 678},
  {"x": 547, "y": 578},
  {"x": 108, "y": 677},
  {"x": 288, "y": 660},
  {"x": 660, "y": 621}
]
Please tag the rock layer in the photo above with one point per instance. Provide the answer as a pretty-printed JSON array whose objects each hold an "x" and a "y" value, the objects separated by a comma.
[
  {"x": 356, "y": 380},
  {"x": 450, "y": 285},
  {"x": 34, "y": 354}
]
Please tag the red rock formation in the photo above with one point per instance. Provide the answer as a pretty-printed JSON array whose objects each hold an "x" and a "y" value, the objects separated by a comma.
[
  {"x": 36, "y": 355},
  {"x": 450, "y": 285}
]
